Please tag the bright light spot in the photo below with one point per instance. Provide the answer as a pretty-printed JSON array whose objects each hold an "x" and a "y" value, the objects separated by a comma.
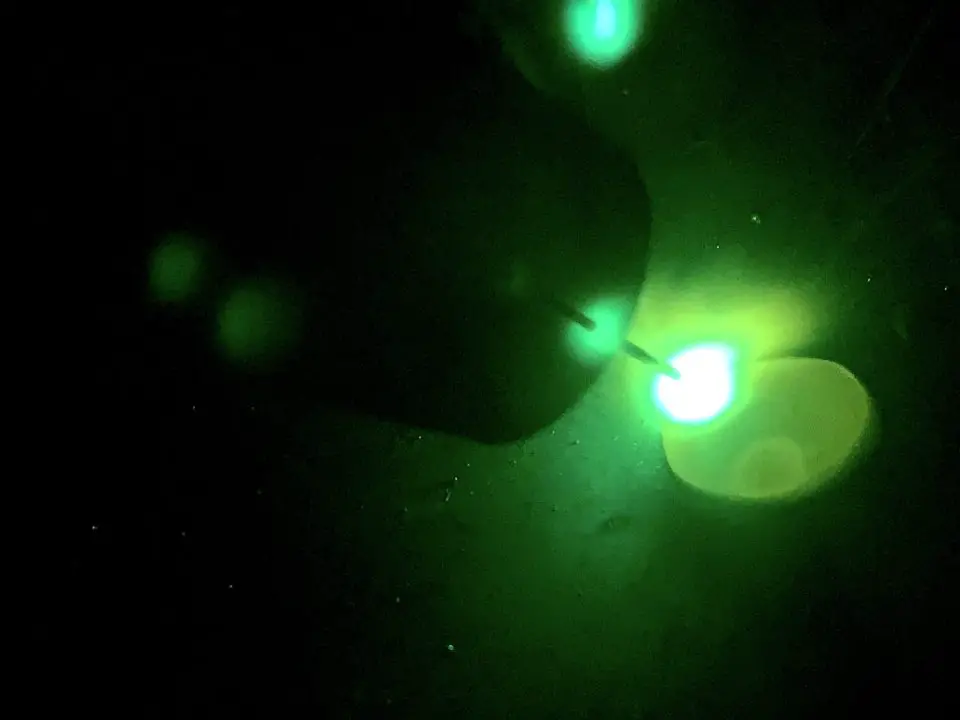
[
  {"x": 705, "y": 387},
  {"x": 606, "y": 20},
  {"x": 602, "y": 32}
]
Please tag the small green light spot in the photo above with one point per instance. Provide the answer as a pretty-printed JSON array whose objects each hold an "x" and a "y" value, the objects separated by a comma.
[
  {"x": 705, "y": 388},
  {"x": 606, "y": 339},
  {"x": 176, "y": 268},
  {"x": 257, "y": 323}
]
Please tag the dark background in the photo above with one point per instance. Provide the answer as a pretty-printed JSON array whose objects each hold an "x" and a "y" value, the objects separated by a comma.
[{"x": 205, "y": 553}]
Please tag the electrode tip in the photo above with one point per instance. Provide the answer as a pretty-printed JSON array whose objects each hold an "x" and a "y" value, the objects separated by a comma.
[{"x": 646, "y": 358}]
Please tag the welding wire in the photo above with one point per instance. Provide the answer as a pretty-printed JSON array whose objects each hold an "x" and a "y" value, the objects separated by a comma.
[
  {"x": 572, "y": 314},
  {"x": 646, "y": 358}
]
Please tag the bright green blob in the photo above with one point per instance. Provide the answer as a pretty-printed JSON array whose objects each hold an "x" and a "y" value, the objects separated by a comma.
[
  {"x": 257, "y": 323},
  {"x": 176, "y": 268},
  {"x": 705, "y": 387},
  {"x": 605, "y": 340},
  {"x": 798, "y": 423},
  {"x": 602, "y": 32}
]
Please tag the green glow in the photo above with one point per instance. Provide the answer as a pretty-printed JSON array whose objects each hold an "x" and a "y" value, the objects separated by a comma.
[
  {"x": 257, "y": 322},
  {"x": 606, "y": 339},
  {"x": 602, "y": 32},
  {"x": 705, "y": 388},
  {"x": 176, "y": 268},
  {"x": 798, "y": 423}
]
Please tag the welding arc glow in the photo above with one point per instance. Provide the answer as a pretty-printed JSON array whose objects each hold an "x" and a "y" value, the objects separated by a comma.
[
  {"x": 602, "y": 32},
  {"x": 705, "y": 387},
  {"x": 606, "y": 20}
]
